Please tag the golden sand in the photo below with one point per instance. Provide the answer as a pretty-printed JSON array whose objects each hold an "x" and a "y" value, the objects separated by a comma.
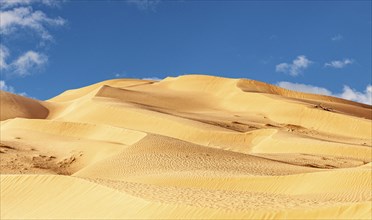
[{"x": 189, "y": 147}]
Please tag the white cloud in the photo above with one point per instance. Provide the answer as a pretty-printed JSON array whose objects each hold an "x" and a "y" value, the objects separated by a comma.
[
  {"x": 304, "y": 88},
  {"x": 152, "y": 78},
  {"x": 5, "y": 87},
  {"x": 24, "y": 63},
  {"x": 25, "y": 17},
  {"x": 121, "y": 74},
  {"x": 339, "y": 64},
  {"x": 14, "y": 3},
  {"x": 145, "y": 4},
  {"x": 351, "y": 94},
  {"x": 347, "y": 92},
  {"x": 51, "y": 3},
  {"x": 19, "y": 16},
  {"x": 4, "y": 53},
  {"x": 27, "y": 61},
  {"x": 337, "y": 37},
  {"x": 296, "y": 67}
]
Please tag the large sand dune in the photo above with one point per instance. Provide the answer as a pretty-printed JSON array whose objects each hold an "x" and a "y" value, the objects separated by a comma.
[{"x": 189, "y": 147}]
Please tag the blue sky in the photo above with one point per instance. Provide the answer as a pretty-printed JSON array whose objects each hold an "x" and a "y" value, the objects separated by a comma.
[{"x": 50, "y": 46}]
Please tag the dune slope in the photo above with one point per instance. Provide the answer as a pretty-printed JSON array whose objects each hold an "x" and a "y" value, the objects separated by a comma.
[{"x": 13, "y": 106}]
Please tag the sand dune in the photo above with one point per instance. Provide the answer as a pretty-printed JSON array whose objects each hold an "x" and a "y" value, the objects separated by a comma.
[
  {"x": 188, "y": 147},
  {"x": 13, "y": 106}
]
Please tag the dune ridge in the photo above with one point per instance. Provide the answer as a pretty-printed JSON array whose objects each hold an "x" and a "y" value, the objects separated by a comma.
[{"x": 187, "y": 147}]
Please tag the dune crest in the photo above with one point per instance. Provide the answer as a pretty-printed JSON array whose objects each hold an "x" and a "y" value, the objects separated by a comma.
[{"x": 188, "y": 147}]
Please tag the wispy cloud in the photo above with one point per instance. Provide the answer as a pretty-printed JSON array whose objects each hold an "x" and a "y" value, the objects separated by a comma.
[
  {"x": 144, "y": 5},
  {"x": 339, "y": 64},
  {"x": 337, "y": 37},
  {"x": 352, "y": 94},
  {"x": 15, "y": 3},
  {"x": 120, "y": 74},
  {"x": 347, "y": 92},
  {"x": 296, "y": 67},
  {"x": 304, "y": 88},
  {"x": 25, "y": 17},
  {"x": 27, "y": 61},
  {"x": 4, "y": 53},
  {"x": 152, "y": 78},
  {"x": 272, "y": 37},
  {"x": 20, "y": 16},
  {"x": 24, "y": 64},
  {"x": 6, "y": 87},
  {"x": 11, "y": 3}
]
